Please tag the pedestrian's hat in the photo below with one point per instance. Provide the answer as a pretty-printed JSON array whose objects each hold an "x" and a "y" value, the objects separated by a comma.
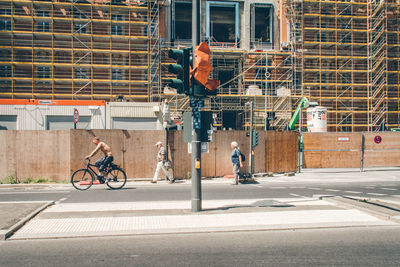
[{"x": 158, "y": 143}]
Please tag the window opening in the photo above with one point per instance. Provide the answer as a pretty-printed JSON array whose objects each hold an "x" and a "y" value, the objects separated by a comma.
[
  {"x": 222, "y": 22},
  {"x": 262, "y": 24},
  {"x": 183, "y": 21}
]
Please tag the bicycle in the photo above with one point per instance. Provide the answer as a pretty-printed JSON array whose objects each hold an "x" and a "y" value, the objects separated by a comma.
[{"x": 82, "y": 179}]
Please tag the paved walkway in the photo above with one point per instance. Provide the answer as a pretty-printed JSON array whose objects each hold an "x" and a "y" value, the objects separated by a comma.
[
  {"x": 96, "y": 219},
  {"x": 99, "y": 219}
]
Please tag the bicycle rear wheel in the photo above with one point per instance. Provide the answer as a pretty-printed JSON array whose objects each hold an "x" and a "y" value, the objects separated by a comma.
[
  {"x": 117, "y": 178},
  {"x": 82, "y": 179}
]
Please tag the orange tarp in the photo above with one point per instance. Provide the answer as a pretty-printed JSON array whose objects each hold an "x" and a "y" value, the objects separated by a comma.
[{"x": 202, "y": 67}]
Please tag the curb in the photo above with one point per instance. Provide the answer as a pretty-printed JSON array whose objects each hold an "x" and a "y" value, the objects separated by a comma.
[
  {"x": 4, "y": 234},
  {"x": 381, "y": 211}
]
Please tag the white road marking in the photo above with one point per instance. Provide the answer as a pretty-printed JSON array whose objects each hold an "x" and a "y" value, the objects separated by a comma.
[
  {"x": 61, "y": 200},
  {"x": 353, "y": 192},
  {"x": 278, "y": 187},
  {"x": 391, "y": 189},
  {"x": 376, "y": 194},
  {"x": 332, "y": 190},
  {"x": 315, "y": 188},
  {"x": 20, "y": 202},
  {"x": 33, "y": 192},
  {"x": 295, "y": 195}
]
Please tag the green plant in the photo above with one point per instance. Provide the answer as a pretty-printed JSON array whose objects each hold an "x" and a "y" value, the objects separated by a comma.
[
  {"x": 41, "y": 181},
  {"x": 12, "y": 179},
  {"x": 28, "y": 181}
]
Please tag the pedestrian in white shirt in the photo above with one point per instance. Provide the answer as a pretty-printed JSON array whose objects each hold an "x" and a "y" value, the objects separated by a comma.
[{"x": 161, "y": 160}]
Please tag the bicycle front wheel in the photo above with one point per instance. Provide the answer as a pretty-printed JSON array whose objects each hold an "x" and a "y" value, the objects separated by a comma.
[
  {"x": 117, "y": 178},
  {"x": 82, "y": 179}
]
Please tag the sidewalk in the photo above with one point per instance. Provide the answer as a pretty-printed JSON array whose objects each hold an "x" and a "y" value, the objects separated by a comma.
[
  {"x": 138, "y": 218},
  {"x": 99, "y": 219},
  {"x": 15, "y": 214},
  {"x": 345, "y": 175}
]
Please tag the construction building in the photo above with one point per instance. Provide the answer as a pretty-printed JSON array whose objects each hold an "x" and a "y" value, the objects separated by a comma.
[
  {"x": 345, "y": 55},
  {"x": 79, "y": 49}
]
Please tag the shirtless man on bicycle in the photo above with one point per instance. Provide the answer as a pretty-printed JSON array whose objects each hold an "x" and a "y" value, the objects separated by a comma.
[{"x": 102, "y": 163}]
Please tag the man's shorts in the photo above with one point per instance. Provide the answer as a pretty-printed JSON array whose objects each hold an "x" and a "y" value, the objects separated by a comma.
[{"x": 104, "y": 162}]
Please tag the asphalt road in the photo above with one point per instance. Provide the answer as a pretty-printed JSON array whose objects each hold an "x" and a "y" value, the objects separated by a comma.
[
  {"x": 389, "y": 190},
  {"x": 373, "y": 246}
]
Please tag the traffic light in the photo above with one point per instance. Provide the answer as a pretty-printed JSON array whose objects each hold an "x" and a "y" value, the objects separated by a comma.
[
  {"x": 201, "y": 85},
  {"x": 255, "y": 138},
  {"x": 181, "y": 68}
]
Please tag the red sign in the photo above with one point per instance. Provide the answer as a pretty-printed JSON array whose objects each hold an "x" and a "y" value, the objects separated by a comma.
[
  {"x": 76, "y": 115},
  {"x": 378, "y": 139}
]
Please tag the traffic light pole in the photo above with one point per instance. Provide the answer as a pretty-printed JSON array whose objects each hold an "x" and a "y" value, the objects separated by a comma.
[
  {"x": 251, "y": 140},
  {"x": 196, "y": 171},
  {"x": 196, "y": 133}
]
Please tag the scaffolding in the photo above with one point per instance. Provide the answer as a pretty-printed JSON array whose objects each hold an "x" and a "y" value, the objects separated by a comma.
[
  {"x": 261, "y": 77},
  {"x": 95, "y": 49},
  {"x": 342, "y": 54},
  {"x": 377, "y": 55},
  {"x": 341, "y": 59}
]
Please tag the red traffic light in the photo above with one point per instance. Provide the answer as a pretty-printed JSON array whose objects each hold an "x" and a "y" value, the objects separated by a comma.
[{"x": 202, "y": 68}]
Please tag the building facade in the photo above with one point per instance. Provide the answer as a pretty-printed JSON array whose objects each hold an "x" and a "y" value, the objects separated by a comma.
[{"x": 344, "y": 55}]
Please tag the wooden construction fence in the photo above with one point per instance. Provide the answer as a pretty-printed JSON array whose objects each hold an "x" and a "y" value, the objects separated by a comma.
[
  {"x": 55, "y": 155},
  {"x": 351, "y": 150}
]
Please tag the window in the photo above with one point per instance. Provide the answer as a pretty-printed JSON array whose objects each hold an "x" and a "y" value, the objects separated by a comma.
[
  {"x": 80, "y": 28},
  {"x": 67, "y": 122},
  {"x": 80, "y": 15},
  {"x": 117, "y": 74},
  {"x": 41, "y": 13},
  {"x": 5, "y": 71},
  {"x": 262, "y": 23},
  {"x": 323, "y": 78},
  {"x": 5, "y": 25},
  {"x": 116, "y": 29},
  {"x": 8, "y": 122},
  {"x": 222, "y": 22},
  {"x": 43, "y": 72},
  {"x": 182, "y": 27},
  {"x": 321, "y": 37},
  {"x": 117, "y": 2},
  {"x": 80, "y": 73},
  {"x": 116, "y": 17},
  {"x": 5, "y": 12},
  {"x": 225, "y": 75},
  {"x": 43, "y": 26}
]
